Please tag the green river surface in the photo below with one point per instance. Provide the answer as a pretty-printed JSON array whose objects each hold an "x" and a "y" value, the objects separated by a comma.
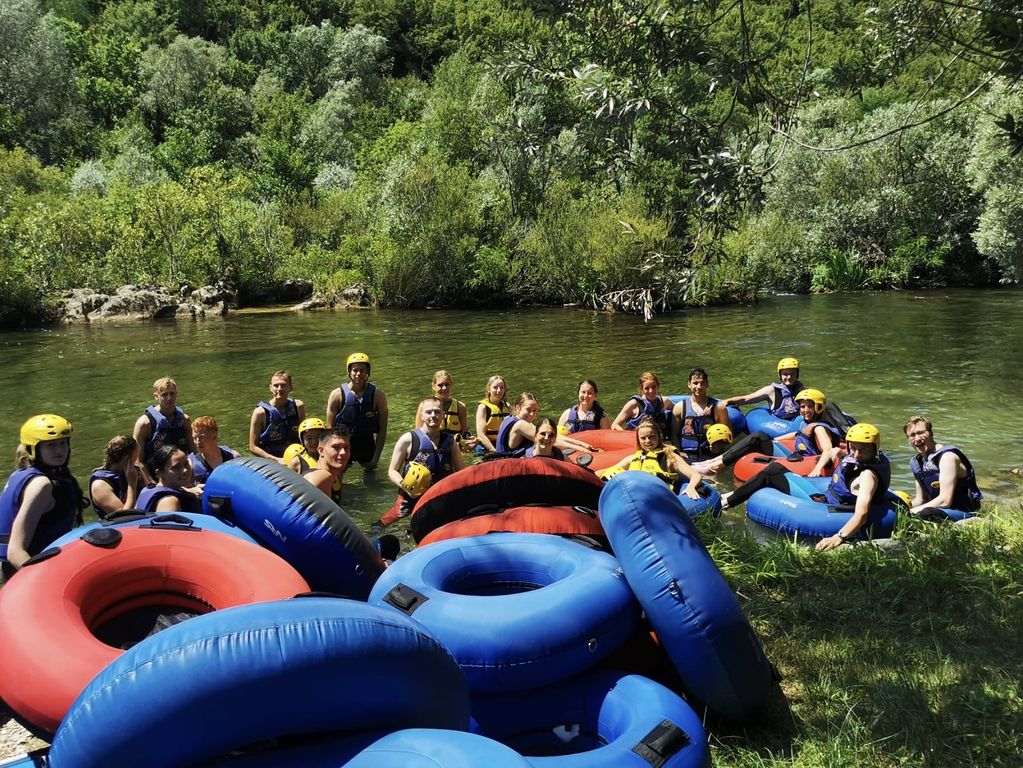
[{"x": 955, "y": 356}]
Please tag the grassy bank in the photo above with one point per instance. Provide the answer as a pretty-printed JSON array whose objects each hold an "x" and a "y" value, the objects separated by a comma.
[{"x": 906, "y": 656}]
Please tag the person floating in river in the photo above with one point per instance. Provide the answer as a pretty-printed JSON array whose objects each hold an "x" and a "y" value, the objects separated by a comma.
[
  {"x": 420, "y": 458},
  {"x": 692, "y": 417},
  {"x": 779, "y": 396},
  {"x": 659, "y": 458},
  {"x": 946, "y": 485},
  {"x": 117, "y": 484},
  {"x": 163, "y": 424},
  {"x": 273, "y": 425},
  {"x": 647, "y": 403},
  {"x": 861, "y": 479},
  {"x": 41, "y": 500},
  {"x": 586, "y": 414},
  {"x": 208, "y": 454},
  {"x": 362, "y": 407}
]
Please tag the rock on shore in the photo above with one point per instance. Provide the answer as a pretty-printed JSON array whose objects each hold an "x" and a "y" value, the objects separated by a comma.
[{"x": 144, "y": 302}]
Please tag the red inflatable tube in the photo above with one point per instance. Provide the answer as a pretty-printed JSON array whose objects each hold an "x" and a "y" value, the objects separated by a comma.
[
  {"x": 497, "y": 485},
  {"x": 51, "y": 610},
  {"x": 752, "y": 463},
  {"x": 558, "y": 520}
]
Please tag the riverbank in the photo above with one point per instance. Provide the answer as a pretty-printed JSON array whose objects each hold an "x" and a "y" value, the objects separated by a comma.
[{"x": 904, "y": 655}]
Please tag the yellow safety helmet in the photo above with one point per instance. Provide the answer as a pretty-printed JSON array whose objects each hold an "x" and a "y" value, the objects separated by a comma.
[
  {"x": 357, "y": 357},
  {"x": 787, "y": 362},
  {"x": 718, "y": 432},
  {"x": 417, "y": 479},
  {"x": 308, "y": 424},
  {"x": 607, "y": 474},
  {"x": 815, "y": 396},
  {"x": 863, "y": 433},
  {"x": 292, "y": 451},
  {"x": 45, "y": 426}
]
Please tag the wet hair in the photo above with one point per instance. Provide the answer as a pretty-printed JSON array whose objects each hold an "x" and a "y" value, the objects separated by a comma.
[
  {"x": 341, "y": 430},
  {"x": 648, "y": 421},
  {"x": 648, "y": 376},
  {"x": 491, "y": 381},
  {"x": 917, "y": 420},
  {"x": 440, "y": 376},
  {"x": 524, "y": 398},
  {"x": 282, "y": 374},
  {"x": 699, "y": 372},
  {"x": 591, "y": 382},
  {"x": 119, "y": 448},
  {"x": 160, "y": 458},
  {"x": 163, "y": 383},
  {"x": 207, "y": 423}
]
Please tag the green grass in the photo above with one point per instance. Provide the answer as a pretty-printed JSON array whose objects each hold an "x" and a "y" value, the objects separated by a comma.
[{"x": 909, "y": 656}]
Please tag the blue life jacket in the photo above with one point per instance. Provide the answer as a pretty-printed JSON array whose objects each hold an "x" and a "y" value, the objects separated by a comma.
[
  {"x": 164, "y": 431},
  {"x": 201, "y": 469},
  {"x": 784, "y": 405},
  {"x": 806, "y": 438},
  {"x": 839, "y": 492},
  {"x": 281, "y": 429},
  {"x": 925, "y": 469},
  {"x": 654, "y": 410},
  {"x": 585, "y": 423},
  {"x": 434, "y": 456},
  {"x": 53, "y": 524},
  {"x": 152, "y": 494},
  {"x": 358, "y": 413},
  {"x": 692, "y": 433},
  {"x": 116, "y": 480},
  {"x": 501, "y": 445}
]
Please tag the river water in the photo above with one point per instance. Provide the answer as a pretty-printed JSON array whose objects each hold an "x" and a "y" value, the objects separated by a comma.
[{"x": 955, "y": 356}]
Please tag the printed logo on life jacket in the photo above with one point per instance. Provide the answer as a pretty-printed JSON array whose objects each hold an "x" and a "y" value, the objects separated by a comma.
[{"x": 270, "y": 526}]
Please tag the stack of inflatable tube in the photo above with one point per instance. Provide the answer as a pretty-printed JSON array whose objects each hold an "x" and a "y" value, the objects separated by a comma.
[
  {"x": 760, "y": 419},
  {"x": 556, "y": 520},
  {"x": 495, "y": 485},
  {"x": 53, "y": 608},
  {"x": 796, "y": 513},
  {"x": 686, "y": 599},
  {"x": 736, "y": 418},
  {"x": 516, "y": 610},
  {"x": 134, "y": 518},
  {"x": 294, "y": 669},
  {"x": 296, "y": 520},
  {"x": 600, "y": 719}
]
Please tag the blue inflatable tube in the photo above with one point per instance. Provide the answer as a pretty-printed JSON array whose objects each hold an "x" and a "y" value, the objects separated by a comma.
[
  {"x": 690, "y": 605},
  {"x": 796, "y": 513},
  {"x": 709, "y": 501},
  {"x": 35, "y": 759},
  {"x": 225, "y": 680},
  {"x": 137, "y": 519},
  {"x": 299, "y": 522},
  {"x": 736, "y": 418},
  {"x": 516, "y": 610},
  {"x": 760, "y": 419},
  {"x": 600, "y": 719}
]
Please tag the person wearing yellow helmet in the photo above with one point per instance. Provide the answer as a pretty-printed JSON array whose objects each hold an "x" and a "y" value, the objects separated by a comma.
[
  {"x": 41, "y": 500},
  {"x": 420, "y": 458},
  {"x": 208, "y": 453},
  {"x": 273, "y": 425},
  {"x": 780, "y": 396},
  {"x": 861, "y": 479},
  {"x": 456, "y": 418},
  {"x": 692, "y": 417},
  {"x": 946, "y": 485},
  {"x": 586, "y": 414},
  {"x": 304, "y": 455},
  {"x": 659, "y": 458},
  {"x": 362, "y": 407},
  {"x": 163, "y": 424},
  {"x": 816, "y": 437},
  {"x": 333, "y": 456}
]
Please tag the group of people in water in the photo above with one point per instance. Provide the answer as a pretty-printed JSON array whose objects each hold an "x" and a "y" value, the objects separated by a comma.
[{"x": 162, "y": 466}]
